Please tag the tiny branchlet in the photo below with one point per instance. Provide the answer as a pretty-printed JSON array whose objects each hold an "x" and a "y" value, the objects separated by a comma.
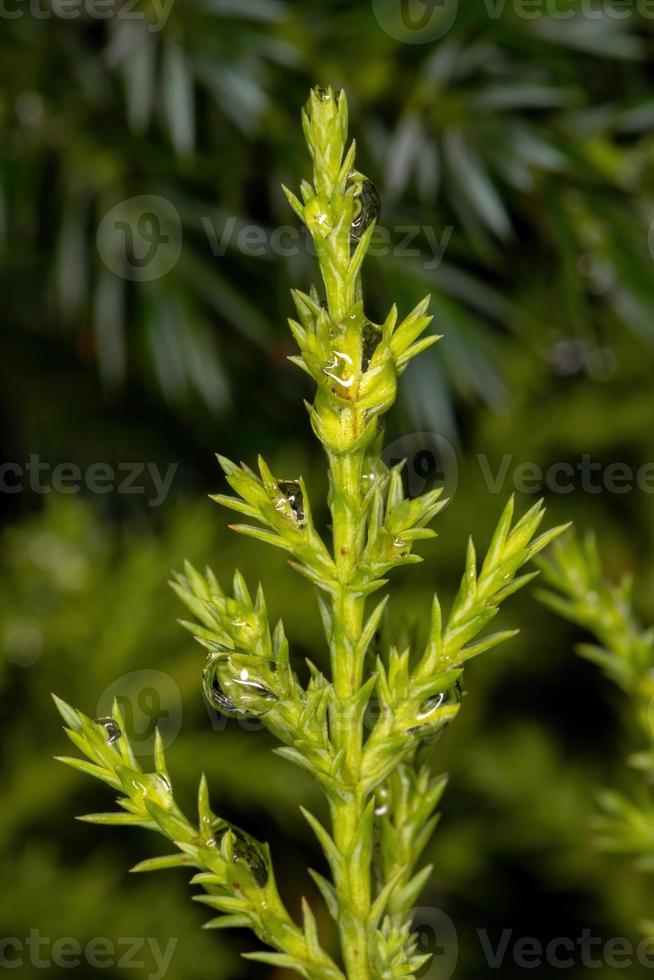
[
  {"x": 376, "y": 791},
  {"x": 625, "y": 652}
]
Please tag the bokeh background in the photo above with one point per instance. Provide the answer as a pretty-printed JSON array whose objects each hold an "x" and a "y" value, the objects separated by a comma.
[{"x": 514, "y": 145}]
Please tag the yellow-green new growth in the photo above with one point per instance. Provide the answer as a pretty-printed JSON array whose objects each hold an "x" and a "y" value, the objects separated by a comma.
[{"x": 357, "y": 727}]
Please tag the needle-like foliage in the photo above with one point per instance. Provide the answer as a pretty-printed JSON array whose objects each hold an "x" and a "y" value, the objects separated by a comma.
[
  {"x": 624, "y": 650},
  {"x": 375, "y": 787}
]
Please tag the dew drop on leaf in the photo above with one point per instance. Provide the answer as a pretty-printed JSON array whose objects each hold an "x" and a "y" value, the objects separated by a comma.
[
  {"x": 366, "y": 204},
  {"x": 370, "y": 338},
  {"x": 291, "y": 491},
  {"x": 324, "y": 94},
  {"x": 213, "y": 693},
  {"x": 111, "y": 728},
  {"x": 381, "y": 802},
  {"x": 244, "y": 848},
  {"x": 339, "y": 369},
  {"x": 249, "y": 850},
  {"x": 234, "y": 693},
  {"x": 431, "y": 705}
]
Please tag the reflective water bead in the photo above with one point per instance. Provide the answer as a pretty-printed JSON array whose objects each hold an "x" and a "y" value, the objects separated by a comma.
[
  {"x": 431, "y": 705},
  {"x": 234, "y": 692},
  {"x": 111, "y": 728},
  {"x": 291, "y": 490},
  {"x": 324, "y": 94},
  {"x": 366, "y": 204},
  {"x": 381, "y": 802},
  {"x": 244, "y": 848},
  {"x": 337, "y": 368},
  {"x": 370, "y": 338},
  {"x": 245, "y": 680},
  {"x": 212, "y": 691},
  {"x": 249, "y": 850}
]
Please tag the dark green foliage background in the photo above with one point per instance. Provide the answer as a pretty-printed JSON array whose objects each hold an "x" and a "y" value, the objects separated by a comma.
[{"x": 533, "y": 142}]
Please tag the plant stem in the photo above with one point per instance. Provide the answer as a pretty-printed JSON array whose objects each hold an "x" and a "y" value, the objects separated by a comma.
[{"x": 347, "y": 813}]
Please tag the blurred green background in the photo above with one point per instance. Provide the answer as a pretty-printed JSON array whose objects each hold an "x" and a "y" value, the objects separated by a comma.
[{"x": 513, "y": 148}]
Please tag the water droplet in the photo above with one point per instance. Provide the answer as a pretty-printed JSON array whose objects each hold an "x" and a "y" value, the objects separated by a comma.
[
  {"x": 366, "y": 204},
  {"x": 153, "y": 786},
  {"x": 245, "y": 848},
  {"x": 431, "y": 705},
  {"x": 250, "y": 851},
  {"x": 234, "y": 693},
  {"x": 163, "y": 781},
  {"x": 370, "y": 338},
  {"x": 112, "y": 729},
  {"x": 381, "y": 802},
  {"x": 291, "y": 491},
  {"x": 431, "y": 730},
  {"x": 324, "y": 94},
  {"x": 213, "y": 693},
  {"x": 337, "y": 368}
]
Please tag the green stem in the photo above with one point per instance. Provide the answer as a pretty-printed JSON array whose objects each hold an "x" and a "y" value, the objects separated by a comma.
[{"x": 353, "y": 886}]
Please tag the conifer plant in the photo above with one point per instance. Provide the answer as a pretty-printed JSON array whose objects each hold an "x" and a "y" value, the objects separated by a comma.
[
  {"x": 380, "y": 800},
  {"x": 624, "y": 650}
]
